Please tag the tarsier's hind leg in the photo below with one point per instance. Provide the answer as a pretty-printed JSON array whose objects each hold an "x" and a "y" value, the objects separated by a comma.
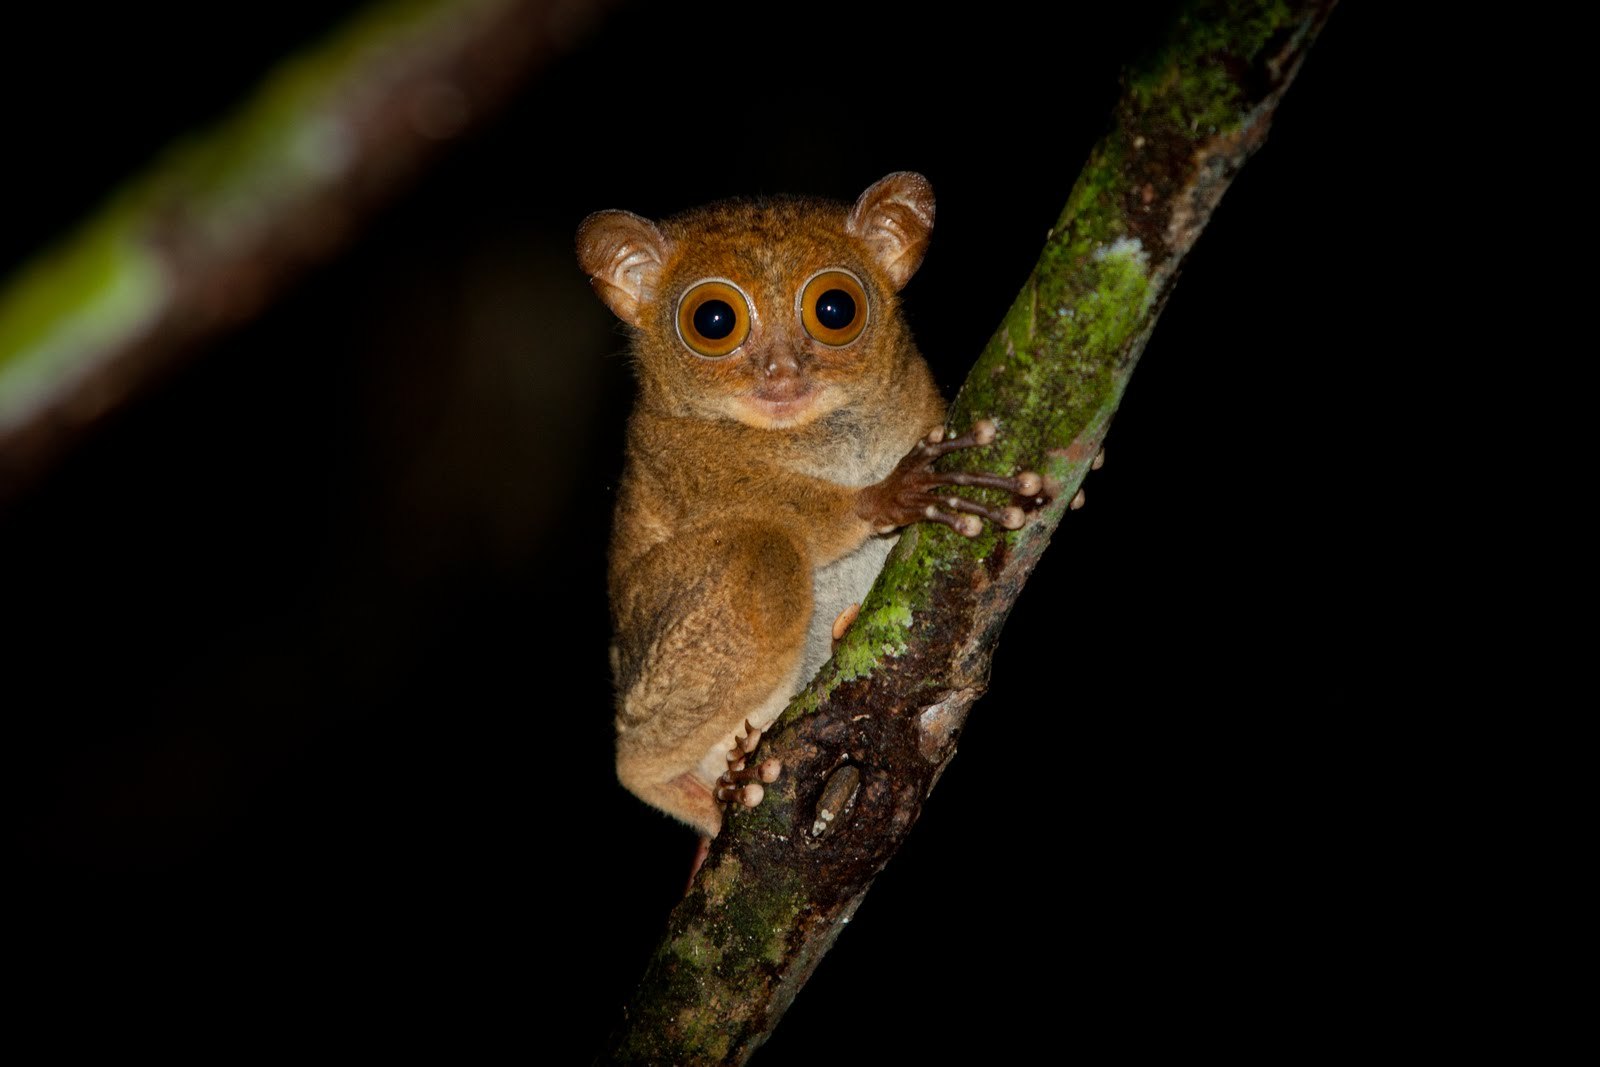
[{"x": 723, "y": 645}]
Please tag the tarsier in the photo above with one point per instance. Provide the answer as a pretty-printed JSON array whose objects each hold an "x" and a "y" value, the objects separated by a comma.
[{"x": 785, "y": 430}]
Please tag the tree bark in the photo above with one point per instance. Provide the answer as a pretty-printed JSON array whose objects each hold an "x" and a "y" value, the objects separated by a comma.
[{"x": 864, "y": 743}]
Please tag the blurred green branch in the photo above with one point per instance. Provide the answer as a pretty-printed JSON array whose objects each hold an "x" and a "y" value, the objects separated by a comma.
[{"x": 225, "y": 220}]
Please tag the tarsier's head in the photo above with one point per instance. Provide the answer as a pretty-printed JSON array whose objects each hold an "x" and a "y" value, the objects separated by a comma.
[{"x": 773, "y": 313}]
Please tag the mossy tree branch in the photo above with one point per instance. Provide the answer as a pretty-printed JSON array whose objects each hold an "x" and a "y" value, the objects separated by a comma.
[{"x": 863, "y": 745}]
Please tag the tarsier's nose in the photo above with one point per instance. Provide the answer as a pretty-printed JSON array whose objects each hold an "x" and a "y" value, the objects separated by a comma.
[{"x": 780, "y": 362}]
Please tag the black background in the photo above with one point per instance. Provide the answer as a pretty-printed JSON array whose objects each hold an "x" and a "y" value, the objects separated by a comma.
[{"x": 305, "y": 652}]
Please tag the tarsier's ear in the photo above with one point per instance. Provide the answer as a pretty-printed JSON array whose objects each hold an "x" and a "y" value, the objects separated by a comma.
[
  {"x": 623, "y": 255},
  {"x": 895, "y": 216}
]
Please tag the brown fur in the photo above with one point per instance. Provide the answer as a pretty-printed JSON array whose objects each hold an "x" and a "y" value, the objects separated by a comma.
[{"x": 740, "y": 502}]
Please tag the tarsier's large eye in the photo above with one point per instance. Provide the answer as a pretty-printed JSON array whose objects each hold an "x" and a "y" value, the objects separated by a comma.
[
  {"x": 713, "y": 318},
  {"x": 833, "y": 307}
]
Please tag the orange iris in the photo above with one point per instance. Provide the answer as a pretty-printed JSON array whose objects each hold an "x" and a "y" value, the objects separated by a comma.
[
  {"x": 833, "y": 307},
  {"x": 713, "y": 319}
]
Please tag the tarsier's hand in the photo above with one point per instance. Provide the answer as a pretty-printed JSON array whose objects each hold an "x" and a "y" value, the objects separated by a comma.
[{"x": 909, "y": 494}]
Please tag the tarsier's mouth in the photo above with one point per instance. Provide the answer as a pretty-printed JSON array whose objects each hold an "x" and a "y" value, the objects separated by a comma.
[{"x": 780, "y": 406}]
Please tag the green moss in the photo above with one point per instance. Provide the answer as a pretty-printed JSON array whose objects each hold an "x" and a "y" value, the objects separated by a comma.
[
  {"x": 1089, "y": 305},
  {"x": 692, "y": 948},
  {"x": 718, "y": 1043},
  {"x": 754, "y": 927},
  {"x": 879, "y": 631},
  {"x": 770, "y": 818},
  {"x": 717, "y": 962},
  {"x": 720, "y": 882},
  {"x": 1188, "y": 82},
  {"x": 1093, "y": 212},
  {"x": 1232, "y": 27},
  {"x": 678, "y": 976}
]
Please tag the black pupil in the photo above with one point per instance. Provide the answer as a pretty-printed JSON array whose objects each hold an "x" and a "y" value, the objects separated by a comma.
[
  {"x": 713, "y": 320},
  {"x": 835, "y": 309}
]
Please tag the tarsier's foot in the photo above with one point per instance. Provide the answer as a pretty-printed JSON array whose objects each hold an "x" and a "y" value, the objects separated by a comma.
[
  {"x": 740, "y": 784},
  {"x": 910, "y": 493}
]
